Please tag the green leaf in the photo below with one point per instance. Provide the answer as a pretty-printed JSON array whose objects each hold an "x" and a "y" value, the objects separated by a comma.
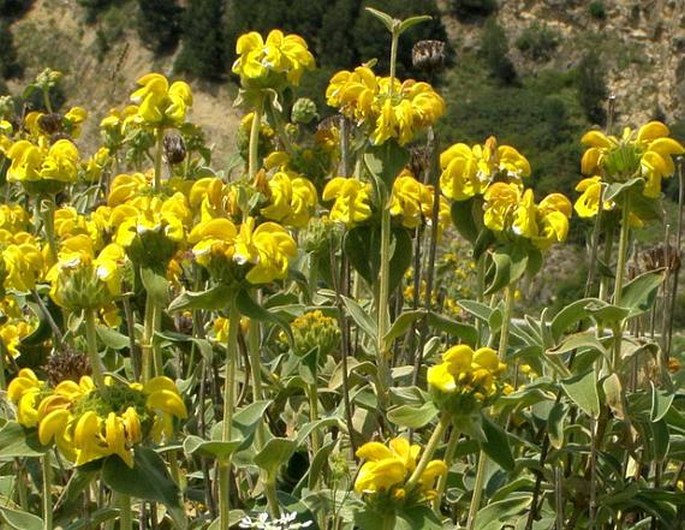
[
  {"x": 156, "y": 285},
  {"x": 570, "y": 316},
  {"x": 508, "y": 265},
  {"x": 464, "y": 220},
  {"x": 362, "y": 318},
  {"x": 402, "y": 323},
  {"x": 95, "y": 520},
  {"x": 661, "y": 402},
  {"x": 579, "y": 341},
  {"x": 418, "y": 517},
  {"x": 555, "y": 424},
  {"x": 582, "y": 389},
  {"x": 148, "y": 478},
  {"x": 385, "y": 161},
  {"x": 615, "y": 189},
  {"x": 386, "y": 19},
  {"x": 16, "y": 441},
  {"x": 248, "y": 307},
  {"x": 466, "y": 332},
  {"x": 496, "y": 445},
  {"x": 275, "y": 453},
  {"x": 112, "y": 338},
  {"x": 614, "y": 395},
  {"x": 494, "y": 514},
  {"x": 607, "y": 315},
  {"x": 412, "y": 416},
  {"x": 20, "y": 520},
  {"x": 317, "y": 464},
  {"x": 217, "y": 449},
  {"x": 361, "y": 245},
  {"x": 412, "y": 21},
  {"x": 479, "y": 310},
  {"x": 638, "y": 295},
  {"x": 218, "y": 297}
]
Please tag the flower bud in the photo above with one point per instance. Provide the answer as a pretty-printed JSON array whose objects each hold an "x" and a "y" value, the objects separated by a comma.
[{"x": 304, "y": 111}]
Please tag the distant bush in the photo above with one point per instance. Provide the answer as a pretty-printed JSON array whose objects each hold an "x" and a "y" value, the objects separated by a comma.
[
  {"x": 592, "y": 89},
  {"x": 598, "y": 10},
  {"x": 203, "y": 52},
  {"x": 495, "y": 47},
  {"x": 159, "y": 24},
  {"x": 470, "y": 9},
  {"x": 93, "y": 8},
  {"x": 538, "y": 42},
  {"x": 14, "y": 8},
  {"x": 9, "y": 65}
]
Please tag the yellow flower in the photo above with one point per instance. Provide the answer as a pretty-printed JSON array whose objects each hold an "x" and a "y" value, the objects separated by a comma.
[
  {"x": 387, "y": 468},
  {"x": 161, "y": 104},
  {"x": 468, "y": 171},
  {"x": 587, "y": 204},
  {"x": 352, "y": 200},
  {"x": 390, "y": 108},
  {"x": 268, "y": 247},
  {"x": 269, "y": 64},
  {"x": 501, "y": 201},
  {"x": 214, "y": 238},
  {"x": 647, "y": 152},
  {"x": 293, "y": 199},
  {"x": 26, "y": 381},
  {"x": 465, "y": 379},
  {"x": 23, "y": 262}
]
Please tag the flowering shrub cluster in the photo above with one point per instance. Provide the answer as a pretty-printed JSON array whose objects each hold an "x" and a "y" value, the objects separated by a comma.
[{"x": 297, "y": 332}]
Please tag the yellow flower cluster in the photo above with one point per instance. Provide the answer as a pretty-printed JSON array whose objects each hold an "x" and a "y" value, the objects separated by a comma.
[
  {"x": 15, "y": 325},
  {"x": 390, "y": 108},
  {"x": 468, "y": 171},
  {"x": 465, "y": 379},
  {"x": 412, "y": 202},
  {"x": 352, "y": 200},
  {"x": 292, "y": 199},
  {"x": 314, "y": 330},
  {"x": 22, "y": 262},
  {"x": 160, "y": 104},
  {"x": 511, "y": 210},
  {"x": 387, "y": 468},
  {"x": 647, "y": 153},
  {"x": 280, "y": 60},
  {"x": 83, "y": 278},
  {"x": 86, "y": 424},
  {"x": 45, "y": 169}
]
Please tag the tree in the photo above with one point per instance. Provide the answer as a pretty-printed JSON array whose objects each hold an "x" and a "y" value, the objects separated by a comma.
[
  {"x": 203, "y": 44},
  {"x": 592, "y": 89},
  {"x": 494, "y": 47},
  {"x": 468, "y": 10},
  {"x": 159, "y": 24},
  {"x": 336, "y": 49},
  {"x": 9, "y": 65}
]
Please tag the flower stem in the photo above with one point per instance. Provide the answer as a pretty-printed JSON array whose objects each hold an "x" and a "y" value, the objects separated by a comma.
[
  {"x": 253, "y": 153},
  {"x": 229, "y": 398},
  {"x": 477, "y": 490},
  {"x": 428, "y": 452},
  {"x": 622, "y": 250},
  {"x": 47, "y": 491},
  {"x": 383, "y": 317},
  {"x": 152, "y": 360},
  {"x": 93, "y": 354},
  {"x": 125, "y": 519},
  {"x": 506, "y": 320},
  {"x": 157, "y": 183},
  {"x": 48, "y": 213},
  {"x": 449, "y": 456}
]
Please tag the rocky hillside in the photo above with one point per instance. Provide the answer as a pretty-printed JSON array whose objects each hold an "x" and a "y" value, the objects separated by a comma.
[{"x": 641, "y": 43}]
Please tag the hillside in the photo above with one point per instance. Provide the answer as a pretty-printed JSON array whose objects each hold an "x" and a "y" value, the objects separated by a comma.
[{"x": 640, "y": 43}]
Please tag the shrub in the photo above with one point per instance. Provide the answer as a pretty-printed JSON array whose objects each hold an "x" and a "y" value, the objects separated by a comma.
[
  {"x": 203, "y": 45},
  {"x": 592, "y": 89},
  {"x": 14, "y": 8},
  {"x": 597, "y": 10},
  {"x": 538, "y": 42},
  {"x": 494, "y": 47},
  {"x": 159, "y": 24},
  {"x": 467, "y": 10},
  {"x": 9, "y": 65}
]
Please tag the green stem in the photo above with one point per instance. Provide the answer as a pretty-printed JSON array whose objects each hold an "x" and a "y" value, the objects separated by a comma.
[
  {"x": 608, "y": 250},
  {"x": 48, "y": 213},
  {"x": 429, "y": 451},
  {"x": 275, "y": 118},
  {"x": 229, "y": 404},
  {"x": 148, "y": 353},
  {"x": 449, "y": 456},
  {"x": 313, "y": 416},
  {"x": 157, "y": 183},
  {"x": 383, "y": 316},
  {"x": 253, "y": 153},
  {"x": 22, "y": 488},
  {"x": 47, "y": 491},
  {"x": 622, "y": 250},
  {"x": 46, "y": 100},
  {"x": 3, "y": 382},
  {"x": 477, "y": 490},
  {"x": 393, "y": 58},
  {"x": 506, "y": 320},
  {"x": 125, "y": 519},
  {"x": 93, "y": 354}
]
